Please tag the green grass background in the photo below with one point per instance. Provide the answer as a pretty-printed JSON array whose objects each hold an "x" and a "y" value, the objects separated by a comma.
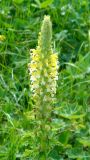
[{"x": 20, "y": 22}]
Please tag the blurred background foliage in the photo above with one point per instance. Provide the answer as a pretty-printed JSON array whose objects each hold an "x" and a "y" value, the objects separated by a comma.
[{"x": 20, "y": 22}]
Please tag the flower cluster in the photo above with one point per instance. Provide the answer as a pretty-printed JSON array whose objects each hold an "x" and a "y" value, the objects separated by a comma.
[
  {"x": 43, "y": 66},
  {"x": 2, "y": 37}
]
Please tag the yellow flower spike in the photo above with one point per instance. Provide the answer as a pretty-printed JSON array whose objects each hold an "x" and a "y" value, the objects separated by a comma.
[
  {"x": 43, "y": 69},
  {"x": 44, "y": 64}
]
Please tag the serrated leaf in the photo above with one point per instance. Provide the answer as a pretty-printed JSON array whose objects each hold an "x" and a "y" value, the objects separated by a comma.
[
  {"x": 70, "y": 112},
  {"x": 74, "y": 153},
  {"x": 85, "y": 141}
]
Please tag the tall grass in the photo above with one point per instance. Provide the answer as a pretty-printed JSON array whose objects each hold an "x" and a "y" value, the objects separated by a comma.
[{"x": 20, "y": 22}]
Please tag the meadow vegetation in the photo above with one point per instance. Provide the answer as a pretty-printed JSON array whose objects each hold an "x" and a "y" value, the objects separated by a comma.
[{"x": 69, "y": 131}]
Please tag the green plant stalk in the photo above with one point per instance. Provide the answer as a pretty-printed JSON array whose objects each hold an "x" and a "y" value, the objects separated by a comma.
[
  {"x": 89, "y": 39},
  {"x": 43, "y": 75}
]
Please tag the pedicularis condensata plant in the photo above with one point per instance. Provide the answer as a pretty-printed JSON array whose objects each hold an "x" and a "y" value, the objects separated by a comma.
[{"x": 43, "y": 69}]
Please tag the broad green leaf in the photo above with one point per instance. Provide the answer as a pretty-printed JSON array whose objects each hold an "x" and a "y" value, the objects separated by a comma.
[
  {"x": 85, "y": 141},
  {"x": 64, "y": 137},
  {"x": 70, "y": 111},
  {"x": 77, "y": 153},
  {"x": 74, "y": 153}
]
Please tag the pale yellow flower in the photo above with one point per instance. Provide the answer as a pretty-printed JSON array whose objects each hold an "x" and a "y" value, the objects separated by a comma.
[
  {"x": 2, "y": 37},
  {"x": 43, "y": 66}
]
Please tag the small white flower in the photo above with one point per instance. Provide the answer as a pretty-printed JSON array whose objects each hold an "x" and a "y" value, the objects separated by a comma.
[
  {"x": 56, "y": 78},
  {"x": 46, "y": 74},
  {"x": 35, "y": 86},
  {"x": 43, "y": 82},
  {"x": 45, "y": 98},
  {"x": 32, "y": 78},
  {"x": 48, "y": 89},
  {"x": 37, "y": 76},
  {"x": 41, "y": 93}
]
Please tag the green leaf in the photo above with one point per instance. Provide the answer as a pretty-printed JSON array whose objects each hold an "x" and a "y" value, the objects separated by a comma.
[
  {"x": 85, "y": 141},
  {"x": 18, "y": 1},
  {"x": 64, "y": 137},
  {"x": 9, "y": 118},
  {"x": 74, "y": 153},
  {"x": 54, "y": 154},
  {"x": 46, "y": 3},
  {"x": 68, "y": 116},
  {"x": 70, "y": 112},
  {"x": 2, "y": 92}
]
